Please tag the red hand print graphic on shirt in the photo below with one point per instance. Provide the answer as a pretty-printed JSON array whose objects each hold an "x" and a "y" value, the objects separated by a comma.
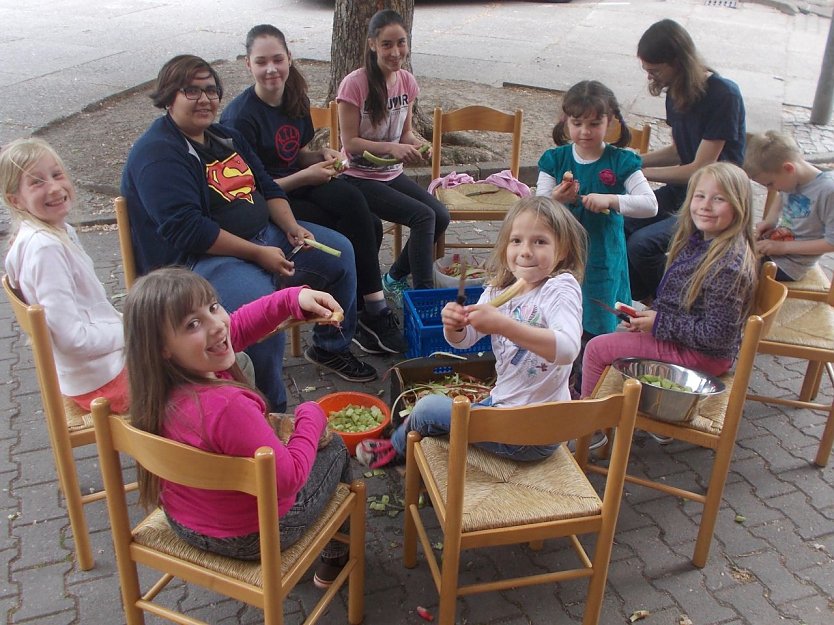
[{"x": 287, "y": 143}]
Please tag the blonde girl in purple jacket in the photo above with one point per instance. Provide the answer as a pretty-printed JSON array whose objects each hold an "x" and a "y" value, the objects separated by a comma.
[{"x": 706, "y": 291}]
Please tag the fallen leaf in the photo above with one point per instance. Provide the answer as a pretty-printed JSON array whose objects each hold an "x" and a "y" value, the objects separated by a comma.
[
  {"x": 683, "y": 619},
  {"x": 308, "y": 389},
  {"x": 740, "y": 518},
  {"x": 637, "y": 615}
]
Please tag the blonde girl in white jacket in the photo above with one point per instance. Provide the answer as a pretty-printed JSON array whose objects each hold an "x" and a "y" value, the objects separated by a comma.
[{"x": 47, "y": 264}]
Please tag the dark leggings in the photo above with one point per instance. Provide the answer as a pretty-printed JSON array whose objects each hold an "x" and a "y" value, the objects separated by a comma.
[
  {"x": 403, "y": 201},
  {"x": 342, "y": 207}
]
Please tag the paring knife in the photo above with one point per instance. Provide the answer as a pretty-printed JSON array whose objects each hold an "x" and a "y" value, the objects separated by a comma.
[
  {"x": 618, "y": 314},
  {"x": 461, "y": 298}
]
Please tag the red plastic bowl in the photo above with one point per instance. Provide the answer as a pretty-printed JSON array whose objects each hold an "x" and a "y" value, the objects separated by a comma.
[{"x": 336, "y": 401}]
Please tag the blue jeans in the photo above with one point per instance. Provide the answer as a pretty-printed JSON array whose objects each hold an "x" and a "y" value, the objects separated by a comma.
[
  {"x": 432, "y": 416},
  {"x": 332, "y": 465},
  {"x": 403, "y": 201},
  {"x": 239, "y": 282}
]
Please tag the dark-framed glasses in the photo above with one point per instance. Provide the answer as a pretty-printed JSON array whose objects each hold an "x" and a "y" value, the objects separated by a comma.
[{"x": 193, "y": 92}]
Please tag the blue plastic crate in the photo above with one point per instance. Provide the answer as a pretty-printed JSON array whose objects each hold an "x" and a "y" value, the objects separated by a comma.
[{"x": 423, "y": 328}]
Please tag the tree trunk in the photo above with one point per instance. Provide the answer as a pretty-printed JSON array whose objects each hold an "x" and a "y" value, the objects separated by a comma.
[{"x": 350, "y": 32}]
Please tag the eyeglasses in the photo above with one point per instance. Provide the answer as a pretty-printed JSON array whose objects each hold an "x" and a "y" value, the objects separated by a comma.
[{"x": 192, "y": 92}]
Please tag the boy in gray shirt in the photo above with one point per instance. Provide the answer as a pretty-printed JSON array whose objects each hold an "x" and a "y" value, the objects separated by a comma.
[{"x": 798, "y": 227}]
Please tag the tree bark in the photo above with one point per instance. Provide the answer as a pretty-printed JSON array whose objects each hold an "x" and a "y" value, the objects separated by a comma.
[{"x": 350, "y": 32}]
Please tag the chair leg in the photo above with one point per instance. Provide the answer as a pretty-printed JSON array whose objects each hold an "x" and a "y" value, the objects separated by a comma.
[
  {"x": 295, "y": 341},
  {"x": 440, "y": 246},
  {"x": 68, "y": 481},
  {"x": 356, "y": 580},
  {"x": 715, "y": 490},
  {"x": 449, "y": 583},
  {"x": 824, "y": 451},
  {"x": 412, "y": 497},
  {"x": 811, "y": 383}
]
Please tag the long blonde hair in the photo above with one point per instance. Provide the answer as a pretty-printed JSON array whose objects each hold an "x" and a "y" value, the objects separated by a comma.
[
  {"x": 571, "y": 240},
  {"x": 156, "y": 303},
  {"x": 16, "y": 160},
  {"x": 736, "y": 240}
]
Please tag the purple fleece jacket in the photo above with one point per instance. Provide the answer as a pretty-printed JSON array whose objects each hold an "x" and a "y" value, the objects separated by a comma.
[{"x": 713, "y": 325}]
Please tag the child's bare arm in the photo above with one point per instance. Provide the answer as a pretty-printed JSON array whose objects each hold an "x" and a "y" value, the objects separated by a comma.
[{"x": 815, "y": 247}]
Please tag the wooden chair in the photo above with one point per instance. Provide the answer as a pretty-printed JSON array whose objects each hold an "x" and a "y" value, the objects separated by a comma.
[
  {"x": 716, "y": 423},
  {"x": 804, "y": 329},
  {"x": 327, "y": 117},
  {"x": 152, "y": 543},
  {"x": 490, "y": 206},
  {"x": 129, "y": 262},
  {"x": 639, "y": 136},
  {"x": 482, "y": 500},
  {"x": 67, "y": 424}
]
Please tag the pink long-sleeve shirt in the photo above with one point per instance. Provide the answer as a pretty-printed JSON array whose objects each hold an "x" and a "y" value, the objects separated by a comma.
[{"x": 229, "y": 420}]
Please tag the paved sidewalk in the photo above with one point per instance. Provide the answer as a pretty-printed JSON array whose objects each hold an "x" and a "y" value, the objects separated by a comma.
[{"x": 776, "y": 566}]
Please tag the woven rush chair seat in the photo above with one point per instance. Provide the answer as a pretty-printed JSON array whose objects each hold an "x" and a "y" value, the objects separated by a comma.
[
  {"x": 503, "y": 493},
  {"x": 155, "y": 532},
  {"x": 709, "y": 416},
  {"x": 477, "y": 196},
  {"x": 806, "y": 323},
  {"x": 814, "y": 280},
  {"x": 77, "y": 418}
]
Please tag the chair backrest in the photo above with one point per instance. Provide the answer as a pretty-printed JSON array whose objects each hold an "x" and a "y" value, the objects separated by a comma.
[
  {"x": 477, "y": 118},
  {"x": 32, "y": 319},
  {"x": 639, "y": 136},
  {"x": 327, "y": 117},
  {"x": 542, "y": 424},
  {"x": 125, "y": 242},
  {"x": 770, "y": 295},
  {"x": 174, "y": 462}
]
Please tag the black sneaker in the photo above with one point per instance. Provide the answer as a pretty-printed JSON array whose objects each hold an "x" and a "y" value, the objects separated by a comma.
[
  {"x": 366, "y": 341},
  {"x": 385, "y": 328},
  {"x": 328, "y": 570},
  {"x": 344, "y": 364}
]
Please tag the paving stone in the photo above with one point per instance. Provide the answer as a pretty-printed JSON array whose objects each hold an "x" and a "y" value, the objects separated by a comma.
[
  {"x": 41, "y": 543},
  {"x": 780, "y": 583},
  {"x": 687, "y": 589},
  {"x": 765, "y": 483},
  {"x": 810, "y": 524},
  {"x": 42, "y": 593},
  {"x": 810, "y": 611}
]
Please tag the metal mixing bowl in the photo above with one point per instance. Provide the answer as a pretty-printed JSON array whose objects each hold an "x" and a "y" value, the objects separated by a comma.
[{"x": 665, "y": 404}]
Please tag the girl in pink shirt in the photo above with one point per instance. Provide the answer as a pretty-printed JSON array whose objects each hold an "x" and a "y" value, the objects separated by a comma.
[
  {"x": 375, "y": 107},
  {"x": 186, "y": 386}
]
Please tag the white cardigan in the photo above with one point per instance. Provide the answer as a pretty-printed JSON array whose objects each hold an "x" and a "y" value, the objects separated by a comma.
[{"x": 87, "y": 335}]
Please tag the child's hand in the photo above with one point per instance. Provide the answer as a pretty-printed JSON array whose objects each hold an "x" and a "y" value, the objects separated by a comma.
[
  {"x": 598, "y": 202},
  {"x": 643, "y": 322},
  {"x": 453, "y": 317},
  {"x": 407, "y": 153},
  {"x": 565, "y": 192},
  {"x": 486, "y": 319},
  {"x": 772, "y": 247},
  {"x": 763, "y": 230},
  {"x": 318, "y": 303},
  {"x": 319, "y": 173}
]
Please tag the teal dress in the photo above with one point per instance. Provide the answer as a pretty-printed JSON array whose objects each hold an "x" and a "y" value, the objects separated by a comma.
[{"x": 606, "y": 272}]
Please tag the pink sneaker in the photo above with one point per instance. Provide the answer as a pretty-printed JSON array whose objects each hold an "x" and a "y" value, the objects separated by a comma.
[{"x": 375, "y": 452}]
